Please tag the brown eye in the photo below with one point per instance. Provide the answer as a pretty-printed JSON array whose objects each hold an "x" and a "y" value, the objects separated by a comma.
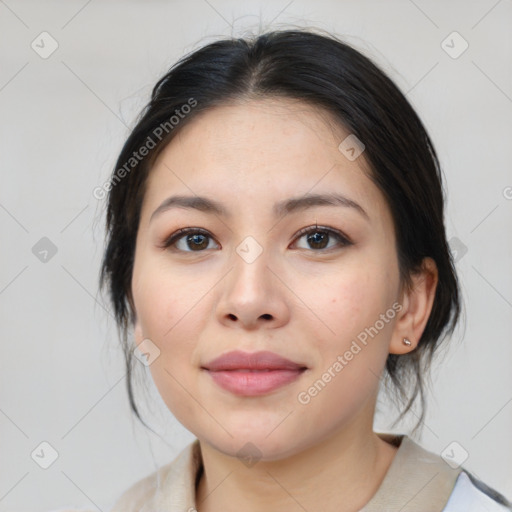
[
  {"x": 318, "y": 238},
  {"x": 188, "y": 240}
]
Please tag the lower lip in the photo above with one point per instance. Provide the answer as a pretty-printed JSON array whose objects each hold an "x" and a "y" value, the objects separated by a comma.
[{"x": 254, "y": 383}]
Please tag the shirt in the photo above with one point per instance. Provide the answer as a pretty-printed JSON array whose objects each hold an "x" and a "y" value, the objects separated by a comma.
[{"x": 416, "y": 481}]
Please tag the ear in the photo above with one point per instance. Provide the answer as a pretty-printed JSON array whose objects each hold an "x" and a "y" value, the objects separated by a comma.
[{"x": 417, "y": 301}]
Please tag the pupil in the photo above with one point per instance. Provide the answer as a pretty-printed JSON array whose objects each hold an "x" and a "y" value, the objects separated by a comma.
[
  {"x": 197, "y": 238},
  {"x": 317, "y": 237}
]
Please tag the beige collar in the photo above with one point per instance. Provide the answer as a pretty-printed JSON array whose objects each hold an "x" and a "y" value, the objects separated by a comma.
[{"x": 416, "y": 480}]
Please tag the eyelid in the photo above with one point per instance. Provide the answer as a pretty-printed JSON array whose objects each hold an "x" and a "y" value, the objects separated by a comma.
[
  {"x": 342, "y": 237},
  {"x": 180, "y": 233}
]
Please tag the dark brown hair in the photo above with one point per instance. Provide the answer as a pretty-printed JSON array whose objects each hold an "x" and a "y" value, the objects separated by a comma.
[{"x": 323, "y": 71}]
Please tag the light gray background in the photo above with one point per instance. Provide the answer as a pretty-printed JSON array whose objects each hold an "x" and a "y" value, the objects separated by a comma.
[{"x": 63, "y": 121}]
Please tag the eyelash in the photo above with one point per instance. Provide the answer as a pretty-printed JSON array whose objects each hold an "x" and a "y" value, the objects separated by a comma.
[{"x": 343, "y": 240}]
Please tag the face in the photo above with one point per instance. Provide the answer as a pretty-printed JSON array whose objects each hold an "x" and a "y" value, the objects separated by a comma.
[{"x": 314, "y": 283}]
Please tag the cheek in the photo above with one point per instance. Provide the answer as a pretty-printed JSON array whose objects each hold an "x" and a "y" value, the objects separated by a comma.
[
  {"x": 170, "y": 314},
  {"x": 162, "y": 301},
  {"x": 350, "y": 307},
  {"x": 173, "y": 386},
  {"x": 171, "y": 323},
  {"x": 352, "y": 300},
  {"x": 353, "y": 355}
]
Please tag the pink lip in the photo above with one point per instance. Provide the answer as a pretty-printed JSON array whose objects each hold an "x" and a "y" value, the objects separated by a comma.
[{"x": 252, "y": 374}]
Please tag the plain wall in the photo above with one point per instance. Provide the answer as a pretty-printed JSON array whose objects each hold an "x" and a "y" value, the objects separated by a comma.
[{"x": 63, "y": 120}]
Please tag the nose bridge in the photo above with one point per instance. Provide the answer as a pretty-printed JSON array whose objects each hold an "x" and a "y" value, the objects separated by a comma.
[
  {"x": 250, "y": 293},
  {"x": 253, "y": 252},
  {"x": 250, "y": 266}
]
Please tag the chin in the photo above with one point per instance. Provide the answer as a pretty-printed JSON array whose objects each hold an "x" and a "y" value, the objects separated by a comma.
[
  {"x": 250, "y": 449},
  {"x": 255, "y": 439}
]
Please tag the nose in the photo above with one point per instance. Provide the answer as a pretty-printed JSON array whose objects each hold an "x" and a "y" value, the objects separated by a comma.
[{"x": 253, "y": 296}]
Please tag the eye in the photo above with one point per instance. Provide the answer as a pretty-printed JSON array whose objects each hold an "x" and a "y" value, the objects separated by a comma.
[
  {"x": 319, "y": 237},
  {"x": 198, "y": 240},
  {"x": 195, "y": 239}
]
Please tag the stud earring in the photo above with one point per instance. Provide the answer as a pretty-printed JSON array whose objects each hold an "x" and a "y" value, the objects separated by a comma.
[{"x": 407, "y": 342}]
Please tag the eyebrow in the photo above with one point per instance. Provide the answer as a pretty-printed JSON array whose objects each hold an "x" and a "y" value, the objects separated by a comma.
[{"x": 281, "y": 208}]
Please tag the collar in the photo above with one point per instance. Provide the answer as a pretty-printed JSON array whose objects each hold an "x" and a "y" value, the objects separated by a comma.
[{"x": 415, "y": 479}]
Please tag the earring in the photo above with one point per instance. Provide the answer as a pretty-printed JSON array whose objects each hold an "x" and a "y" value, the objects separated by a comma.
[{"x": 407, "y": 342}]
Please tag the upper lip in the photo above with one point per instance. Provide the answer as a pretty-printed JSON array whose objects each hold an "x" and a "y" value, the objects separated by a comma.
[{"x": 264, "y": 360}]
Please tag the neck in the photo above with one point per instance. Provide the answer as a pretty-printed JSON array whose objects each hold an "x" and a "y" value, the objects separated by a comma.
[{"x": 341, "y": 473}]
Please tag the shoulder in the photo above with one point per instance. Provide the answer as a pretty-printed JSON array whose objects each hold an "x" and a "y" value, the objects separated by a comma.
[
  {"x": 171, "y": 484},
  {"x": 447, "y": 488},
  {"x": 142, "y": 491},
  {"x": 472, "y": 495}
]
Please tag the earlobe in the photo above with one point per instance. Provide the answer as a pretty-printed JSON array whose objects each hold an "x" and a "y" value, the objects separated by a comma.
[{"x": 417, "y": 302}]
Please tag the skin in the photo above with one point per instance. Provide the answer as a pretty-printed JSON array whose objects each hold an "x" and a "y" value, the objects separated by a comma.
[{"x": 304, "y": 302}]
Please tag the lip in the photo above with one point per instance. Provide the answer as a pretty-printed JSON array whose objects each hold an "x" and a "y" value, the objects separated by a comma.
[{"x": 253, "y": 374}]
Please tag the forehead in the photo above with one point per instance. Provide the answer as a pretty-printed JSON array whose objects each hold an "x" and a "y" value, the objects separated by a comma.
[
  {"x": 267, "y": 131},
  {"x": 265, "y": 149}
]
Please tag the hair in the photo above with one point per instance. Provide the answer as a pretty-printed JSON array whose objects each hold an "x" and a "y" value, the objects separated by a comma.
[{"x": 324, "y": 72}]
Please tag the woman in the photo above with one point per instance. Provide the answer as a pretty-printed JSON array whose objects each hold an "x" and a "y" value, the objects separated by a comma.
[{"x": 276, "y": 243}]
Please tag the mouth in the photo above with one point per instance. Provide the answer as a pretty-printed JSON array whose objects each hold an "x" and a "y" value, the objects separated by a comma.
[{"x": 253, "y": 374}]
